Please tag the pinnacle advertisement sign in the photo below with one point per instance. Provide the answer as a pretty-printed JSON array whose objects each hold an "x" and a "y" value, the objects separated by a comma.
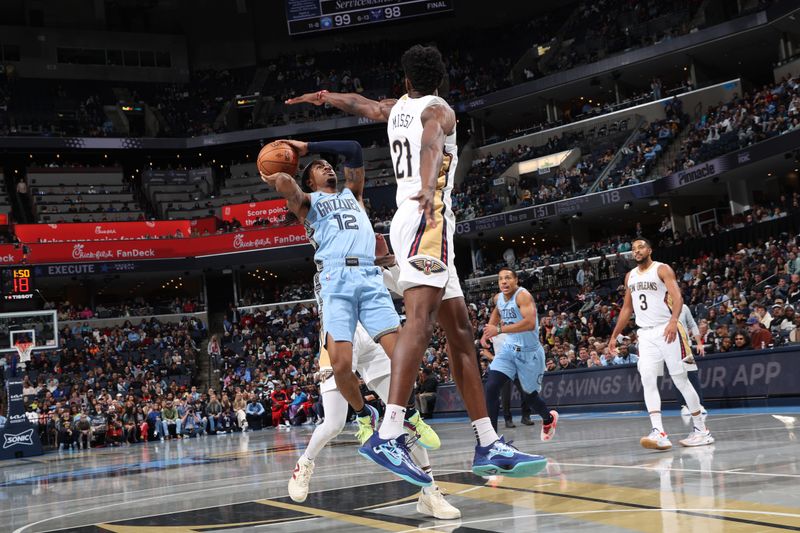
[{"x": 18, "y": 438}]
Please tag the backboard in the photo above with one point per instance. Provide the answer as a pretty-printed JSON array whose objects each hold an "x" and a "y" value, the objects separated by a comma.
[{"x": 38, "y": 327}]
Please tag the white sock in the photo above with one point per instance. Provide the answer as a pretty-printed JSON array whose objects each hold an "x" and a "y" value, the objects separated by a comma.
[
  {"x": 484, "y": 431},
  {"x": 655, "y": 421},
  {"x": 392, "y": 425},
  {"x": 432, "y": 487},
  {"x": 698, "y": 422}
]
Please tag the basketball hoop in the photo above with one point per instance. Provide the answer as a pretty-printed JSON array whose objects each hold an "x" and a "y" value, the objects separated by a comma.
[{"x": 24, "y": 349}]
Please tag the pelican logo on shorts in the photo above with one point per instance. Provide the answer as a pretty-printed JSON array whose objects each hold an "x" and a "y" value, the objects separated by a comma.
[
  {"x": 428, "y": 265},
  {"x": 24, "y": 439}
]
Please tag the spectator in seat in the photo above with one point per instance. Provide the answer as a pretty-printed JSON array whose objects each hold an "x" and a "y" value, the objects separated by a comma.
[
  {"x": 794, "y": 335},
  {"x": 625, "y": 356},
  {"x": 192, "y": 422},
  {"x": 565, "y": 364},
  {"x": 239, "y": 405},
  {"x": 113, "y": 431},
  {"x": 740, "y": 343},
  {"x": 213, "y": 412},
  {"x": 170, "y": 419},
  {"x": 760, "y": 337},
  {"x": 299, "y": 408},
  {"x": 130, "y": 425},
  {"x": 426, "y": 397},
  {"x": 227, "y": 422},
  {"x": 280, "y": 401},
  {"x": 65, "y": 432},
  {"x": 152, "y": 418},
  {"x": 254, "y": 413},
  {"x": 84, "y": 433}
]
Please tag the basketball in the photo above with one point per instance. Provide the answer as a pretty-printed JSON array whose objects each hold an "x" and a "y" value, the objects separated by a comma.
[{"x": 277, "y": 157}]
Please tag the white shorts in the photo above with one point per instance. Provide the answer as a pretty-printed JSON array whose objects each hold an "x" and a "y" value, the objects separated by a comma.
[
  {"x": 655, "y": 352},
  {"x": 369, "y": 360},
  {"x": 425, "y": 254}
]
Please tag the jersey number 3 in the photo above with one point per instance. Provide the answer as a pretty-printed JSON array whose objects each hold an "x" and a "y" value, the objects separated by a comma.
[
  {"x": 643, "y": 302},
  {"x": 398, "y": 149}
]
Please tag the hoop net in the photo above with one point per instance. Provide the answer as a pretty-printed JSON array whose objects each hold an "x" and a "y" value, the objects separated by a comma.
[{"x": 24, "y": 349}]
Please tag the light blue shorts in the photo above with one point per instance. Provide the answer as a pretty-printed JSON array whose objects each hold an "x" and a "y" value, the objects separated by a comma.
[
  {"x": 347, "y": 295},
  {"x": 527, "y": 365}
]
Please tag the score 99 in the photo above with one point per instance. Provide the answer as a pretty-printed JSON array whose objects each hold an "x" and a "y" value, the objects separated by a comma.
[{"x": 341, "y": 20}]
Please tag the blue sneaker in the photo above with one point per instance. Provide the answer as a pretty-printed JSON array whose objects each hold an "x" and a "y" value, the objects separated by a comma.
[
  {"x": 502, "y": 459},
  {"x": 393, "y": 455}
]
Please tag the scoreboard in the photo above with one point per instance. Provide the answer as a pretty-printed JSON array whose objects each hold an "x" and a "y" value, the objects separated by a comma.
[
  {"x": 17, "y": 284},
  {"x": 310, "y": 16}
]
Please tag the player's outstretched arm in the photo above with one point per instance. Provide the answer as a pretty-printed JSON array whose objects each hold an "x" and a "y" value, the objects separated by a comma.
[
  {"x": 354, "y": 175},
  {"x": 297, "y": 201},
  {"x": 351, "y": 103},
  {"x": 623, "y": 318}
]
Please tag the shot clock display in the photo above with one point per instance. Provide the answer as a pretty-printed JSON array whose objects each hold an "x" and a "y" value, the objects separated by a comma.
[{"x": 17, "y": 284}]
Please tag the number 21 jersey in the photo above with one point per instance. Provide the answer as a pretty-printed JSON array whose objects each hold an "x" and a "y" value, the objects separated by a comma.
[{"x": 405, "y": 142}]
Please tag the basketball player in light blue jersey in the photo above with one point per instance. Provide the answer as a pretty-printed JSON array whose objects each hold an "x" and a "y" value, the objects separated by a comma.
[
  {"x": 521, "y": 355},
  {"x": 348, "y": 284}
]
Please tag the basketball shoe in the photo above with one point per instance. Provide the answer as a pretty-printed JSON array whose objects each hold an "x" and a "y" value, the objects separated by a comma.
[
  {"x": 431, "y": 502},
  {"x": 656, "y": 440},
  {"x": 393, "y": 455},
  {"x": 367, "y": 424},
  {"x": 426, "y": 436},
  {"x": 301, "y": 478},
  {"x": 502, "y": 459},
  {"x": 548, "y": 430},
  {"x": 697, "y": 438}
]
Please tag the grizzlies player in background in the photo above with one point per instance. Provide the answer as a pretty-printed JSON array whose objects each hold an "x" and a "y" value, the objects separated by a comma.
[
  {"x": 422, "y": 141},
  {"x": 653, "y": 295},
  {"x": 521, "y": 354}
]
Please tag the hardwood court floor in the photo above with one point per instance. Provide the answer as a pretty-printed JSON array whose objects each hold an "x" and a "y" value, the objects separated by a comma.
[{"x": 598, "y": 478}]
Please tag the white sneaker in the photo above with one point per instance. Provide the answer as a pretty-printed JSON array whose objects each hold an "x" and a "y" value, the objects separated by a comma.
[
  {"x": 685, "y": 411},
  {"x": 301, "y": 478},
  {"x": 697, "y": 438},
  {"x": 548, "y": 430},
  {"x": 656, "y": 440},
  {"x": 433, "y": 504}
]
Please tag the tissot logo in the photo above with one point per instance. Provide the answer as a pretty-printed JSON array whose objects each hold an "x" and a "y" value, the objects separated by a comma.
[{"x": 20, "y": 439}]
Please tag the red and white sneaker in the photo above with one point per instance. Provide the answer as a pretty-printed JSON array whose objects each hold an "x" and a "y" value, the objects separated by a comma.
[
  {"x": 301, "y": 478},
  {"x": 697, "y": 438},
  {"x": 656, "y": 440},
  {"x": 548, "y": 430}
]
